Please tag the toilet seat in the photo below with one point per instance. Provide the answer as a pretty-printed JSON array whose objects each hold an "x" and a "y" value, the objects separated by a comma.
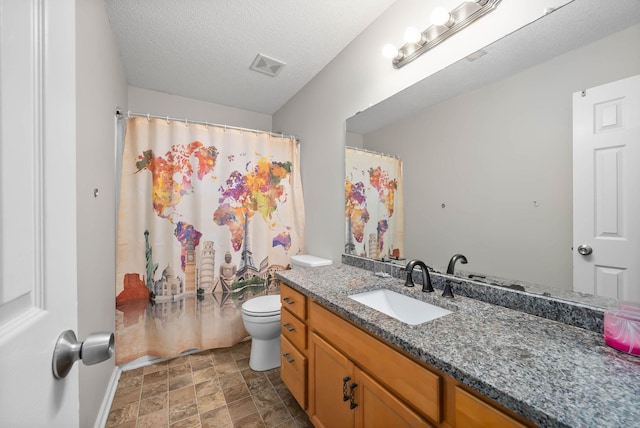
[{"x": 262, "y": 306}]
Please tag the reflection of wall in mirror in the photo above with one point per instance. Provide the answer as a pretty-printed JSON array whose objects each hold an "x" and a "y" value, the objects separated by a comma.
[
  {"x": 353, "y": 140},
  {"x": 491, "y": 169}
]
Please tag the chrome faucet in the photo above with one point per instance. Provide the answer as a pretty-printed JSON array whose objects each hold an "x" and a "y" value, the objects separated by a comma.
[
  {"x": 426, "y": 279},
  {"x": 452, "y": 262}
]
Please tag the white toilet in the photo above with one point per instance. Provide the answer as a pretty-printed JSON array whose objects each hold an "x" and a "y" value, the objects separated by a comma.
[{"x": 261, "y": 318}]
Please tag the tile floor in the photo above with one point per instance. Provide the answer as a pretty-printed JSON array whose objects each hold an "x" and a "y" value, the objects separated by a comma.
[{"x": 214, "y": 388}]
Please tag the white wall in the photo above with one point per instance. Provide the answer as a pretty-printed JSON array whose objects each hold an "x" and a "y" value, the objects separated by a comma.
[
  {"x": 101, "y": 86},
  {"x": 359, "y": 77},
  {"x": 490, "y": 153},
  {"x": 354, "y": 140},
  {"x": 146, "y": 101}
]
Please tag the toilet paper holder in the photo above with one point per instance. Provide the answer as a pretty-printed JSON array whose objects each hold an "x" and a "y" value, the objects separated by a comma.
[{"x": 96, "y": 348}]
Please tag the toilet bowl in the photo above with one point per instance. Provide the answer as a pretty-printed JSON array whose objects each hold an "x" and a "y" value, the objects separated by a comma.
[{"x": 261, "y": 318}]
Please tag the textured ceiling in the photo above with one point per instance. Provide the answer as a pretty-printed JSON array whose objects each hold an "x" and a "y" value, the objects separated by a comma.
[{"x": 203, "y": 49}]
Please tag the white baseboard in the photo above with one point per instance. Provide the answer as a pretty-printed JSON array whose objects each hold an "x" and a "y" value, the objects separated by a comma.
[
  {"x": 148, "y": 360},
  {"x": 103, "y": 413}
]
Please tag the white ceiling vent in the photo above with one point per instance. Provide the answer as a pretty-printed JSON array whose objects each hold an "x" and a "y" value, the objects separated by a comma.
[{"x": 266, "y": 65}]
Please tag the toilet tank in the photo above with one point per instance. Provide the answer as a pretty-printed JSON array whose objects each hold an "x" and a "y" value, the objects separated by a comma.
[{"x": 307, "y": 260}]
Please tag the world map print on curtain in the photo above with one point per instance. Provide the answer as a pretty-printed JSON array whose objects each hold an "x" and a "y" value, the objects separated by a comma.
[
  {"x": 207, "y": 216},
  {"x": 374, "y": 207}
]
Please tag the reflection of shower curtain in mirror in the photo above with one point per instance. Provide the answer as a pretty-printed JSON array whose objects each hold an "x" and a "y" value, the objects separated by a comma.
[
  {"x": 374, "y": 207},
  {"x": 207, "y": 215}
]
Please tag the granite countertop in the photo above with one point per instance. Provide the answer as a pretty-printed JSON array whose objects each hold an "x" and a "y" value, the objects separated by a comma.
[{"x": 553, "y": 374}]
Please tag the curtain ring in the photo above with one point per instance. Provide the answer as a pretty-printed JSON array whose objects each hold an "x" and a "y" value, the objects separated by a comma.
[
  {"x": 129, "y": 114},
  {"x": 206, "y": 125},
  {"x": 225, "y": 127},
  {"x": 186, "y": 123},
  {"x": 148, "y": 117},
  {"x": 167, "y": 120}
]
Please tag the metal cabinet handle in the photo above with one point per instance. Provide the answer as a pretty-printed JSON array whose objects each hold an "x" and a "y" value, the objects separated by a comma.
[
  {"x": 345, "y": 396},
  {"x": 288, "y": 327},
  {"x": 585, "y": 250},
  {"x": 288, "y": 300},
  {"x": 288, "y": 358},
  {"x": 352, "y": 400}
]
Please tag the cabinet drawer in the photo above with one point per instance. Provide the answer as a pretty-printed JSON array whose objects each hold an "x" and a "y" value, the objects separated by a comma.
[
  {"x": 294, "y": 330},
  {"x": 472, "y": 412},
  {"x": 407, "y": 379},
  {"x": 294, "y": 301},
  {"x": 293, "y": 371}
]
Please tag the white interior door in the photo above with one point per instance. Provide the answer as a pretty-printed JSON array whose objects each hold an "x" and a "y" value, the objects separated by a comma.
[
  {"x": 37, "y": 210},
  {"x": 606, "y": 190}
]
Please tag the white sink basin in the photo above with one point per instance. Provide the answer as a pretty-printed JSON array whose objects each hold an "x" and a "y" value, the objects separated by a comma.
[{"x": 403, "y": 308}]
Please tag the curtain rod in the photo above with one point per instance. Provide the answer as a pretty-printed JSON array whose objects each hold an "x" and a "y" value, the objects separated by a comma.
[
  {"x": 120, "y": 114},
  {"x": 372, "y": 152}
]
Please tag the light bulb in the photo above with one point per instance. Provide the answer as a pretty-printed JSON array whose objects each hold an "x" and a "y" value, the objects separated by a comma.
[
  {"x": 411, "y": 35},
  {"x": 440, "y": 16},
  {"x": 389, "y": 51}
]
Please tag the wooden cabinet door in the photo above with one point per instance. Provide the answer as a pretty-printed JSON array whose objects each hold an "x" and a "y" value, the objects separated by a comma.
[
  {"x": 472, "y": 412},
  {"x": 378, "y": 408},
  {"x": 330, "y": 372}
]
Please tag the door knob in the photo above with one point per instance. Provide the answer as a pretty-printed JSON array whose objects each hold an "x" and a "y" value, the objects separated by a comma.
[
  {"x": 585, "y": 250},
  {"x": 96, "y": 348}
]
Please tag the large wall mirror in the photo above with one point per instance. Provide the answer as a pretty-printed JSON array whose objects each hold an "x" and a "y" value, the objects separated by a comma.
[{"x": 487, "y": 144}]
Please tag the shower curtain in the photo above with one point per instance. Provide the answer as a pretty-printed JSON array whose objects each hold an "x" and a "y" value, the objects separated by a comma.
[
  {"x": 207, "y": 215},
  {"x": 374, "y": 207}
]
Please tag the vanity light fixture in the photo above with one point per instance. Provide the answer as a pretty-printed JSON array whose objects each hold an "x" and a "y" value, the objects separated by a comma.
[
  {"x": 391, "y": 52},
  {"x": 440, "y": 16},
  {"x": 411, "y": 35},
  {"x": 444, "y": 25}
]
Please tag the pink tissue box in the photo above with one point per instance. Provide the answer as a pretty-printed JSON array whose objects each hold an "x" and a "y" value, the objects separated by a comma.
[{"x": 622, "y": 328}]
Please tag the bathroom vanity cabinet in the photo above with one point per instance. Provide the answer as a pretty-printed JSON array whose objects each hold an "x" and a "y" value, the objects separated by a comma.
[
  {"x": 344, "y": 376},
  {"x": 293, "y": 343},
  {"x": 481, "y": 365},
  {"x": 343, "y": 393}
]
